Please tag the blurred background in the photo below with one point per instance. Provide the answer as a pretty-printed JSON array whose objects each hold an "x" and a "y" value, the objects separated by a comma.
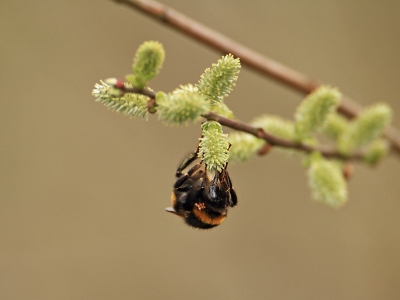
[{"x": 83, "y": 189}]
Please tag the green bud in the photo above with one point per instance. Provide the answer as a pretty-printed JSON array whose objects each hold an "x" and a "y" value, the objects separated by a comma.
[
  {"x": 217, "y": 82},
  {"x": 214, "y": 147},
  {"x": 276, "y": 125},
  {"x": 147, "y": 63},
  {"x": 243, "y": 146},
  {"x": 326, "y": 181},
  {"x": 335, "y": 125},
  {"x": 182, "y": 106},
  {"x": 312, "y": 113},
  {"x": 222, "y": 109},
  {"x": 368, "y": 126},
  {"x": 281, "y": 128},
  {"x": 376, "y": 151}
]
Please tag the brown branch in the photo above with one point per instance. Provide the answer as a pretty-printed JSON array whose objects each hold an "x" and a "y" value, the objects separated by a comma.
[
  {"x": 255, "y": 131},
  {"x": 279, "y": 142},
  {"x": 248, "y": 57},
  {"x": 119, "y": 84}
]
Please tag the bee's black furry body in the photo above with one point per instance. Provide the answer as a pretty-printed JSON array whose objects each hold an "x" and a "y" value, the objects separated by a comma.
[{"x": 201, "y": 202}]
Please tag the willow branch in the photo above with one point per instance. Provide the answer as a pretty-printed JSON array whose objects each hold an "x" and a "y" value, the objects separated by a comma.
[
  {"x": 146, "y": 92},
  {"x": 248, "y": 57},
  {"x": 277, "y": 141},
  {"x": 260, "y": 133}
]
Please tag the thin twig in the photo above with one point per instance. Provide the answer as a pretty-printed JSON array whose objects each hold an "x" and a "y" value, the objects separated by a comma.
[
  {"x": 273, "y": 140},
  {"x": 248, "y": 57},
  {"x": 147, "y": 92},
  {"x": 260, "y": 133}
]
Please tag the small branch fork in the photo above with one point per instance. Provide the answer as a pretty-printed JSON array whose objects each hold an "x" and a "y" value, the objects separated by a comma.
[
  {"x": 248, "y": 57},
  {"x": 244, "y": 127}
]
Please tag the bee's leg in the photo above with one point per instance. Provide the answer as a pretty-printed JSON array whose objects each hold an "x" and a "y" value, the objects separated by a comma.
[
  {"x": 184, "y": 177},
  {"x": 193, "y": 197},
  {"x": 186, "y": 162},
  {"x": 231, "y": 190}
]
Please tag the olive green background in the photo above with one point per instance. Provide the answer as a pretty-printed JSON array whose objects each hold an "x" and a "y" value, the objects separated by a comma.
[{"x": 83, "y": 190}]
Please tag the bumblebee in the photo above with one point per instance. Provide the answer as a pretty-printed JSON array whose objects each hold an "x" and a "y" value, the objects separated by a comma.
[{"x": 201, "y": 202}]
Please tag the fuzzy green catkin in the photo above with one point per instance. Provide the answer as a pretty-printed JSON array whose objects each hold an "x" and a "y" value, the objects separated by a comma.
[
  {"x": 376, "y": 151},
  {"x": 335, "y": 125},
  {"x": 243, "y": 146},
  {"x": 183, "y": 105},
  {"x": 326, "y": 181},
  {"x": 222, "y": 109},
  {"x": 131, "y": 105},
  {"x": 368, "y": 126},
  {"x": 213, "y": 147},
  {"x": 276, "y": 125},
  {"x": 281, "y": 128},
  {"x": 147, "y": 63},
  {"x": 314, "y": 109},
  {"x": 217, "y": 82}
]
